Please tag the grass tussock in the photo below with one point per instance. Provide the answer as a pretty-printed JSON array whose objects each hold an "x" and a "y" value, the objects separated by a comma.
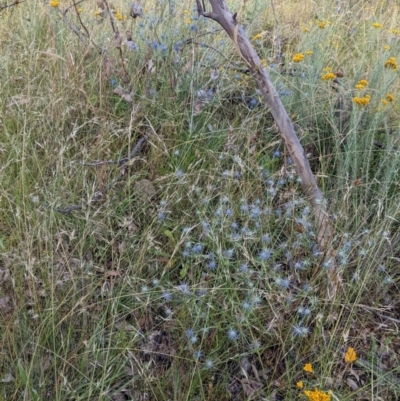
[{"x": 191, "y": 270}]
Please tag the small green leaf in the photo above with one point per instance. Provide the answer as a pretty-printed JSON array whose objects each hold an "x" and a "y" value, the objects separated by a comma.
[{"x": 183, "y": 271}]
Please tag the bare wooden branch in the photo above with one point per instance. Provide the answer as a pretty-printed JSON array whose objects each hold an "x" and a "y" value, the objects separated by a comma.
[{"x": 221, "y": 14}]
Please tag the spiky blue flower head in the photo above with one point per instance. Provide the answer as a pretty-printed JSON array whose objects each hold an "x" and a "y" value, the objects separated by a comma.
[
  {"x": 229, "y": 253},
  {"x": 301, "y": 331},
  {"x": 166, "y": 296},
  {"x": 184, "y": 288},
  {"x": 161, "y": 216},
  {"x": 179, "y": 173},
  {"x": 198, "y": 248},
  {"x": 232, "y": 334},
  {"x": 283, "y": 282},
  {"x": 266, "y": 238},
  {"x": 243, "y": 268},
  {"x": 197, "y": 354},
  {"x": 209, "y": 364},
  {"x": 265, "y": 255},
  {"x": 189, "y": 333}
]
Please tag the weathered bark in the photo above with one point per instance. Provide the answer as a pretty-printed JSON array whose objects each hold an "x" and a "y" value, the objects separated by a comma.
[{"x": 221, "y": 14}]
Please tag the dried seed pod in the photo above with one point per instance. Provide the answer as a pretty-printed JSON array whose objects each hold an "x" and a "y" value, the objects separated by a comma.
[{"x": 136, "y": 10}]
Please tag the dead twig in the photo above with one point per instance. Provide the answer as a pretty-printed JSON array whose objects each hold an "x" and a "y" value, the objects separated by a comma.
[
  {"x": 229, "y": 22},
  {"x": 12, "y": 4}
]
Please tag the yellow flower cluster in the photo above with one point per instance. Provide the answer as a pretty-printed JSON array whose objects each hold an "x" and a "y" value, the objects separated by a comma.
[
  {"x": 377, "y": 25},
  {"x": 389, "y": 98},
  {"x": 118, "y": 15},
  {"x": 300, "y": 384},
  {"x": 317, "y": 395},
  {"x": 362, "y": 84},
  {"x": 362, "y": 101},
  {"x": 391, "y": 63},
  {"x": 322, "y": 24},
  {"x": 309, "y": 52},
  {"x": 350, "y": 356},
  {"x": 328, "y": 76},
  {"x": 395, "y": 31},
  {"x": 54, "y": 3},
  {"x": 308, "y": 368},
  {"x": 297, "y": 58},
  {"x": 258, "y": 36}
]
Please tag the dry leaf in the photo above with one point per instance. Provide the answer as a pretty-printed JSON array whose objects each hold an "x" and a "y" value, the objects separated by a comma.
[
  {"x": 198, "y": 106},
  {"x": 125, "y": 95},
  {"x": 7, "y": 378},
  {"x": 150, "y": 67},
  {"x": 100, "y": 4},
  {"x": 352, "y": 384},
  {"x": 250, "y": 386},
  {"x": 4, "y": 302},
  {"x": 214, "y": 74}
]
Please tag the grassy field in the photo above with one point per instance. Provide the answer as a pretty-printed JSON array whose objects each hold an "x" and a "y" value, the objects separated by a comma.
[{"x": 155, "y": 243}]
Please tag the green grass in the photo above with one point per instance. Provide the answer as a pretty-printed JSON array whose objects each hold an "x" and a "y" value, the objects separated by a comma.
[{"x": 195, "y": 276}]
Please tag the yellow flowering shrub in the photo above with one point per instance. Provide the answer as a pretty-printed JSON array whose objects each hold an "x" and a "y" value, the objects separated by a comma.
[
  {"x": 308, "y": 368},
  {"x": 297, "y": 58},
  {"x": 389, "y": 97},
  {"x": 362, "y": 84},
  {"x": 317, "y": 395},
  {"x": 391, "y": 63},
  {"x": 362, "y": 101},
  {"x": 328, "y": 76},
  {"x": 350, "y": 356}
]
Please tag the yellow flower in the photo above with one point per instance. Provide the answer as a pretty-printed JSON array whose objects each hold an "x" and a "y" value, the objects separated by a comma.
[
  {"x": 362, "y": 84},
  {"x": 377, "y": 25},
  {"x": 386, "y": 47},
  {"x": 258, "y": 36},
  {"x": 298, "y": 57},
  {"x": 188, "y": 21},
  {"x": 328, "y": 76},
  {"x": 317, "y": 395},
  {"x": 54, "y": 3},
  {"x": 321, "y": 24},
  {"x": 308, "y": 52},
  {"x": 308, "y": 368},
  {"x": 389, "y": 97},
  {"x": 186, "y": 11},
  {"x": 98, "y": 13},
  {"x": 119, "y": 16},
  {"x": 306, "y": 29},
  {"x": 300, "y": 384},
  {"x": 362, "y": 101},
  {"x": 384, "y": 102},
  {"x": 79, "y": 10},
  {"x": 395, "y": 31},
  {"x": 391, "y": 63},
  {"x": 350, "y": 356}
]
